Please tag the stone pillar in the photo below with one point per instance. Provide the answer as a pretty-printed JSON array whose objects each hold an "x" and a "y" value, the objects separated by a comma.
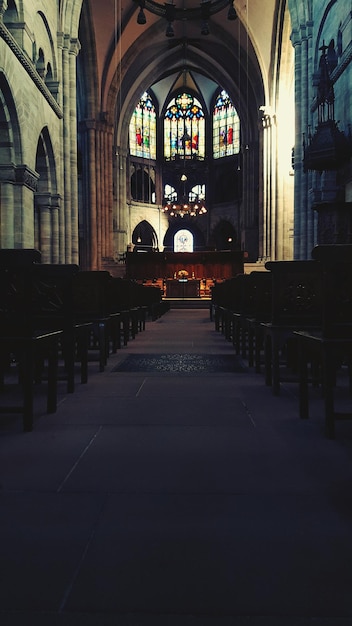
[
  {"x": 303, "y": 221},
  {"x": 109, "y": 149},
  {"x": 7, "y": 180},
  {"x": 267, "y": 186},
  {"x": 122, "y": 214},
  {"x": 73, "y": 208},
  {"x": 66, "y": 104},
  {"x": 92, "y": 194},
  {"x": 55, "y": 230},
  {"x": 45, "y": 228},
  {"x": 46, "y": 208},
  {"x": 99, "y": 196},
  {"x": 61, "y": 163},
  {"x": 26, "y": 186}
]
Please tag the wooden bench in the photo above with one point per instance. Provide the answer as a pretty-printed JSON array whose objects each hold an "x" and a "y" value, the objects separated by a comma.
[
  {"x": 296, "y": 305},
  {"x": 91, "y": 305},
  {"x": 53, "y": 309},
  {"x": 330, "y": 346},
  {"x": 22, "y": 342},
  {"x": 257, "y": 300},
  {"x": 226, "y": 298}
]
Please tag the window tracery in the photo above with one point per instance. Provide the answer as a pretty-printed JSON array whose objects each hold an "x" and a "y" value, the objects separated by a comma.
[
  {"x": 226, "y": 127},
  {"x": 184, "y": 128},
  {"x": 143, "y": 129}
]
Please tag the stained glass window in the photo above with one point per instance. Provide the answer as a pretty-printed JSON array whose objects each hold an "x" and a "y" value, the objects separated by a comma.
[
  {"x": 183, "y": 241},
  {"x": 184, "y": 128},
  {"x": 143, "y": 129},
  {"x": 226, "y": 127}
]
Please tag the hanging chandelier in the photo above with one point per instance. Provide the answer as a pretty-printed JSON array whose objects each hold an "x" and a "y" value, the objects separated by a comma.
[
  {"x": 170, "y": 12},
  {"x": 190, "y": 205},
  {"x": 184, "y": 209}
]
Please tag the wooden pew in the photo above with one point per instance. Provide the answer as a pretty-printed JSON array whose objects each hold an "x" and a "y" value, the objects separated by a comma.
[
  {"x": 296, "y": 305},
  {"x": 91, "y": 305},
  {"x": 53, "y": 309},
  {"x": 20, "y": 337},
  {"x": 257, "y": 304},
  {"x": 331, "y": 345},
  {"x": 226, "y": 298}
]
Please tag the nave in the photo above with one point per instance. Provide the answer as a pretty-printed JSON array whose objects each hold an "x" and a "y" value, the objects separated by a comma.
[{"x": 174, "y": 489}]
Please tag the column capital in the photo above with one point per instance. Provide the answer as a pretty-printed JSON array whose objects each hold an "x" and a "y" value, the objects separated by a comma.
[
  {"x": 85, "y": 125},
  {"x": 267, "y": 116},
  {"x": 75, "y": 46},
  {"x": 27, "y": 177}
]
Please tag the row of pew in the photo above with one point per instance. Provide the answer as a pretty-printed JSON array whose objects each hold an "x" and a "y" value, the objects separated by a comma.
[
  {"x": 293, "y": 322},
  {"x": 53, "y": 315}
]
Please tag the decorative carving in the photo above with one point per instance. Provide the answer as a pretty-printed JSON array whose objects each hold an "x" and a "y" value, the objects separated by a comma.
[{"x": 328, "y": 148}]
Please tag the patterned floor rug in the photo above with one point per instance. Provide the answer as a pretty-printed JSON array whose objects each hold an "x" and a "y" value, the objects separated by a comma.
[{"x": 181, "y": 363}]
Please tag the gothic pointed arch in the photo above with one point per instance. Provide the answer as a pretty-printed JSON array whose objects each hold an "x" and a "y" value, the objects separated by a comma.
[
  {"x": 46, "y": 200},
  {"x": 189, "y": 225},
  {"x": 10, "y": 159},
  {"x": 144, "y": 237},
  {"x": 225, "y": 236}
]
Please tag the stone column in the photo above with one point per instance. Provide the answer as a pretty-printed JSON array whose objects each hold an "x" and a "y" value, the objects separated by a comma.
[
  {"x": 109, "y": 149},
  {"x": 267, "y": 187},
  {"x": 99, "y": 207},
  {"x": 43, "y": 206},
  {"x": 26, "y": 186},
  {"x": 73, "y": 208},
  {"x": 303, "y": 220},
  {"x": 122, "y": 214},
  {"x": 66, "y": 104},
  {"x": 298, "y": 144},
  {"x": 55, "y": 232},
  {"x": 92, "y": 193},
  {"x": 7, "y": 179}
]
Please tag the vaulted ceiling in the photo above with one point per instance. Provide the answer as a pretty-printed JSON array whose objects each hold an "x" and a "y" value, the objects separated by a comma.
[{"x": 127, "y": 58}]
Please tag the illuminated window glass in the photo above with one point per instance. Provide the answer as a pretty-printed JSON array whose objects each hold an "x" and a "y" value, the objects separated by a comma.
[
  {"x": 143, "y": 129},
  {"x": 183, "y": 241},
  {"x": 170, "y": 193},
  {"x": 226, "y": 127},
  {"x": 197, "y": 193},
  {"x": 184, "y": 128}
]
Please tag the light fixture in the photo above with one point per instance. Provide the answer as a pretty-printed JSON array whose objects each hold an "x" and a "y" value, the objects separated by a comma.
[
  {"x": 191, "y": 205},
  {"x": 170, "y": 12},
  {"x": 184, "y": 209}
]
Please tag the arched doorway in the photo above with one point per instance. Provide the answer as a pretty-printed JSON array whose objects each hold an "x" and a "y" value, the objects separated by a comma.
[
  {"x": 174, "y": 234},
  {"x": 225, "y": 236},
  {"x": 144, "y": 238}
]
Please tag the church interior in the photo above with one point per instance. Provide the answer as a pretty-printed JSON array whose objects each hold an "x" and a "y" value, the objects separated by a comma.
[{"x": 176, "y": 312}]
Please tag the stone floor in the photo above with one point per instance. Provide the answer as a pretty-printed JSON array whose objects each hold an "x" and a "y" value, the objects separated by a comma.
[{"x": 187, "y": 495}]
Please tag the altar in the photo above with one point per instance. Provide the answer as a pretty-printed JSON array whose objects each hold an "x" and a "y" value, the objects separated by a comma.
[
  {"x": 196, "y": 265},
  {"x": 182, "y": 288}
]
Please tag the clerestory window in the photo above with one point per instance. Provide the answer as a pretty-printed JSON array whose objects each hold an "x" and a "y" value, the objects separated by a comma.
[
  {"x": 184, "y": 129},
  {"x": 143, "y": 129},
  {"x": 226, "y": 127}
]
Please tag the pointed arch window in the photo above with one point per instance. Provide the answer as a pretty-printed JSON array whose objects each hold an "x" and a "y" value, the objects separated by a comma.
[
  {"x": 143, "y": 129},
  {"x": 183, "y": 241},
  {"x": 184, "y": 128},
  {"x": 226, "y": 127}
]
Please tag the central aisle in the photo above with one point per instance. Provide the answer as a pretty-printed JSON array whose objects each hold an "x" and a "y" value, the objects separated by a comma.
[{"x": 160, "y": 497}]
